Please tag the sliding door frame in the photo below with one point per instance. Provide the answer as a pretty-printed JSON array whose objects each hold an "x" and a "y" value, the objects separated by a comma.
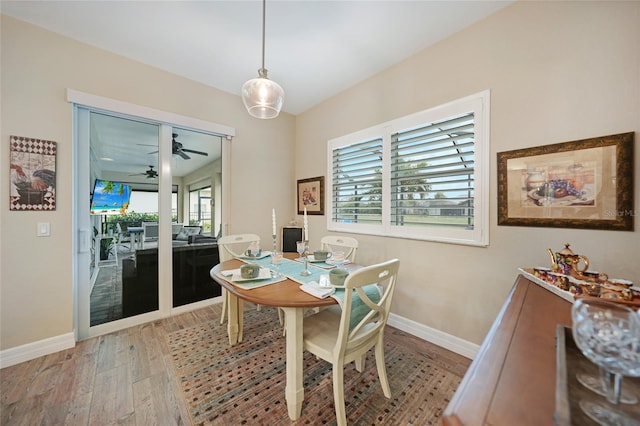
[{"x": 166, "y": 121}]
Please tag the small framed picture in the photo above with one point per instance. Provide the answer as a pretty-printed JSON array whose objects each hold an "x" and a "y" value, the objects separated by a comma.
[{"x": 311, "y": 195}]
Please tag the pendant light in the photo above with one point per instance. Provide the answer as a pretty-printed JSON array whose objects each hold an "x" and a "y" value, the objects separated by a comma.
[{"x": 262, "y": 97}]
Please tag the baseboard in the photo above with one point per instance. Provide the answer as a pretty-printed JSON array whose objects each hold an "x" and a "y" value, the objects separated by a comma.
[
  {"x": 34, "y": 350},
  {"x": 437, "y": 337},
  {"x": 48, "y": 346}
]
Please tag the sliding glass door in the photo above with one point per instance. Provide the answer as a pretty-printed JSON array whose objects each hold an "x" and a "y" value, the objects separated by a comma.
[
  {"x": 141, "y": 255},
  {"x": 197, "y": 162},
  {"x": 122, "y": 167}
]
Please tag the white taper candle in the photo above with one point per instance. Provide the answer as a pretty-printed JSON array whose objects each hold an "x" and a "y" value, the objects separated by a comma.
[{"x": 273, "y": 222}]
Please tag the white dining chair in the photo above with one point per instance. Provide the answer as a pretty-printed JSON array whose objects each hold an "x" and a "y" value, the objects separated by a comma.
[
  {"x": 339, "y": 242},
  {"x": 229, "y": 247},
  {"x": 329, "y": 335}
]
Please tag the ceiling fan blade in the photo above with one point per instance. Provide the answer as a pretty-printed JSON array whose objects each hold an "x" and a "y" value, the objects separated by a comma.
[
  {"x": 182, "y": 154},
  {"x": 195, "y": 152}
]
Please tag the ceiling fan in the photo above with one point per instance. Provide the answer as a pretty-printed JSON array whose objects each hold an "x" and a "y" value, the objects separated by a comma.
[
  {"x": 150, "y": 174},
  {"x": 179, "y": 149}
]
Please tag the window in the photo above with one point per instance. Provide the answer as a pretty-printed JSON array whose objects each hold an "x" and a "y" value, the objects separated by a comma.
[
  {"x": 423, "y": 176},
  {"x": 147, "y": 202},
  {"x": 200, "y": 207}
]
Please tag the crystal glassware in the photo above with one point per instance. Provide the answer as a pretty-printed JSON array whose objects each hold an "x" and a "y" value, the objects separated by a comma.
[
  {"x": 597, "y": 383},
  {"x": 276, "y": 260},
  {"x": 302, "y": 247},
  {"x": 608, "y": 334}
]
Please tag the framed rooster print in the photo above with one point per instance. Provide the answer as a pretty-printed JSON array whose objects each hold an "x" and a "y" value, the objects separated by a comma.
[{"x": 32, "y": 167}]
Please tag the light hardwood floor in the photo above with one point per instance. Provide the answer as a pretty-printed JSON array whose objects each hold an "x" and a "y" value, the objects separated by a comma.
[{"x": 123, "y": 378}]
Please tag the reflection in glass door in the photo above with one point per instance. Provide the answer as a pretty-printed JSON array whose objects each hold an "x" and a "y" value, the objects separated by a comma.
[
  {"x": 200, "y": 203},
  {"x": 123, "y": 169},
  {"x": 197, "y": 164}
]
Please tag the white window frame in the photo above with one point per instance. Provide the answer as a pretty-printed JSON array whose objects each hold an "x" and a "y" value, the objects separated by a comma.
[{"x": 479, "y": 104}]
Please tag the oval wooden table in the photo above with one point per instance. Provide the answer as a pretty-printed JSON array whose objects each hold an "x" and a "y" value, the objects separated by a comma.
[{"x": 294, "y": 302}]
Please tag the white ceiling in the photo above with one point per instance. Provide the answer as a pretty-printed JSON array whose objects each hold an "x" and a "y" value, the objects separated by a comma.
[
  {"x": 314, "y": 50},
  {"x": 129, "y": 147}
]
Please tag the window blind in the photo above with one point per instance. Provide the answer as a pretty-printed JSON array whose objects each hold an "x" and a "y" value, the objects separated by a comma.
[
  {"x": 357, "y": 183},
  {"x": 432, "y": 174}
]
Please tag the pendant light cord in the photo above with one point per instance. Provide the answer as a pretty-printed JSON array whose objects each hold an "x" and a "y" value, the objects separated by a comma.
[{"x": 264, "y": 6}]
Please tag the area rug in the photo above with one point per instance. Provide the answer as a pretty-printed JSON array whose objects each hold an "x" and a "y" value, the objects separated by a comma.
[{"x": 244, "y": 384}]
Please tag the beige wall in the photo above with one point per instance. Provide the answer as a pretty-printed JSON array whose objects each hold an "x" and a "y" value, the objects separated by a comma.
[
  {"x": 36, "y": 294},
  {"x": 557, "y": 71}
]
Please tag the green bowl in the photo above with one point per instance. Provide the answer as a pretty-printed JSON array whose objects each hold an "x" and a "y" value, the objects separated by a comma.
[
  {"x": 337, "y": 276},
  {"x": 250, "y": 270}
]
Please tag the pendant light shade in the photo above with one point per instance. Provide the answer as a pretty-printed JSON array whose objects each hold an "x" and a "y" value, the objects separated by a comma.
[{"x": 262, "y": 97}]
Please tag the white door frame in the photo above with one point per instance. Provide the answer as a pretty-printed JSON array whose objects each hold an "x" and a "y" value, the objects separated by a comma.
[{"x": 82, "y": 103}]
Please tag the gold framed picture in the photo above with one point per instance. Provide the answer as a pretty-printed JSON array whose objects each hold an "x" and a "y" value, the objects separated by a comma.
[{"x": 579, "y": 184}]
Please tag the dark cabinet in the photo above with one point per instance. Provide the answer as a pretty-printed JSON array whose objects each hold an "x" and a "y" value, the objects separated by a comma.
[{"x": 289, "y": 237}]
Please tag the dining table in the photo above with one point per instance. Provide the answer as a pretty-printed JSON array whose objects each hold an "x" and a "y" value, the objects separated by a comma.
[{"x": 284, "y": 293}]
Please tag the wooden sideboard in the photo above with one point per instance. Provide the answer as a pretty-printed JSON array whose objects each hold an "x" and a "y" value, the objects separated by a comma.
[{"x": 512, "y": 380}]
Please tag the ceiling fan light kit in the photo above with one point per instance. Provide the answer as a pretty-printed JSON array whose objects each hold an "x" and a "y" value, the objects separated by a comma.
[{"x": 262, "y": 97}]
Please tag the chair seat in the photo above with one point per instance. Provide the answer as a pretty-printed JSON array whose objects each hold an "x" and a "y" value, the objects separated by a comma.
[{"x": 320, "y": 331}]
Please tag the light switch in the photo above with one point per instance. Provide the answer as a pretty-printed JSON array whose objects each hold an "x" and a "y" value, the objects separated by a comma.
[{"x": 44, "y": 229}]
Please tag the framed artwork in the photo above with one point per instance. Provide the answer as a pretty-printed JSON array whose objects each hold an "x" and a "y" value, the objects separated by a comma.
[
  {"x": 580, "y": 184},
  {"x": 32, "y": 165},
  {"x": 311, "y": 195}
]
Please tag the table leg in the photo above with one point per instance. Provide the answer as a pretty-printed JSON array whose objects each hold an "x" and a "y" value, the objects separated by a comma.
[
  {"x": 294, "y": 390},
  {"x": 233, "y": 303}
]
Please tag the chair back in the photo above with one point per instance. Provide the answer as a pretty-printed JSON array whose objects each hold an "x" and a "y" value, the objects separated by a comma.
[
  {"x": 338, "y": 242},
  {"x": 150, "y": 230},
  {"x": 120, "y": 231},
  {"x": 231, "y": 246},
  {"x": 367, "y": 330}
]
